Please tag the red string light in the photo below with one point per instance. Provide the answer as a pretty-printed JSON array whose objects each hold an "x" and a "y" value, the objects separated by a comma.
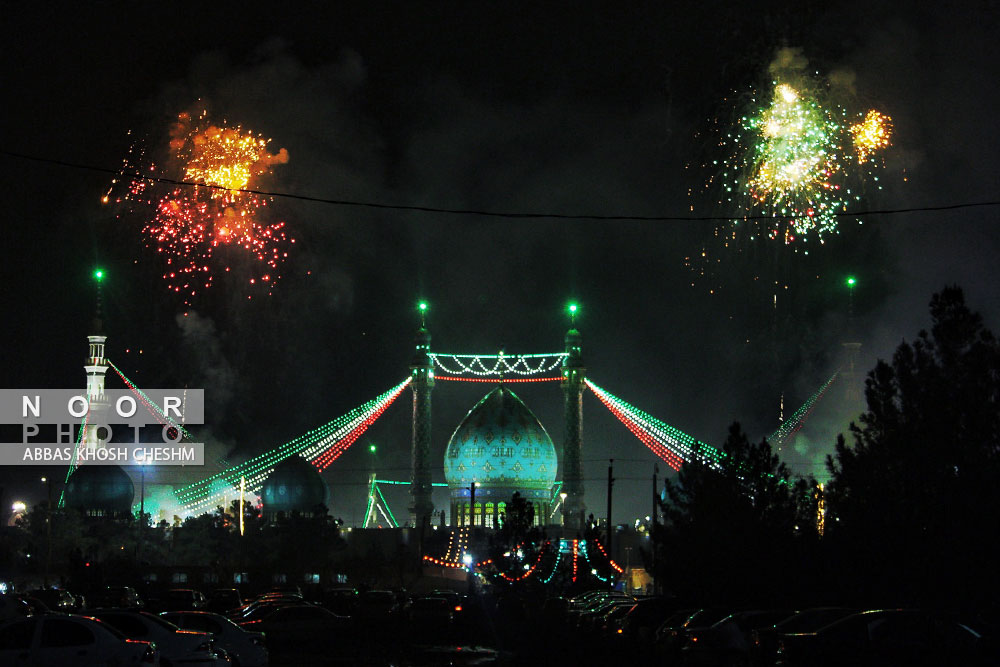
[{"x": 495, "y": 380}]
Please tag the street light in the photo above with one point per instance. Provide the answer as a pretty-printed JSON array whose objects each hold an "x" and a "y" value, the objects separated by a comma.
[
  {"x": 562, "y": 502},
  {"x": 48, "y": 531}
]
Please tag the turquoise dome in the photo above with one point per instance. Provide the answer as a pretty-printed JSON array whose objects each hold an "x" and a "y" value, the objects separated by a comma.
[
  {"x": 293, "y": 486},
  {"x": 503, "y": 447},
  {"x": 100, "y": 490}
]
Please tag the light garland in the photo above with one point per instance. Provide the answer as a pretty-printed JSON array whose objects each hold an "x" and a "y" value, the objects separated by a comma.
[
  {"x": 497, "y": 379},
  {"x": 151, "y": 406},
  {"x": 73, "y": 459},
  {"x": 313, "y": 444},
  {"x": 796, "y": 421},
  {"x": 672, "y": 445},
  {"x": 522, "y": 364}
]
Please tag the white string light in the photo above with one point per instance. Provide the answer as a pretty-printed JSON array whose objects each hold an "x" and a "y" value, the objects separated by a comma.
[{"x": 495, "y": 365}]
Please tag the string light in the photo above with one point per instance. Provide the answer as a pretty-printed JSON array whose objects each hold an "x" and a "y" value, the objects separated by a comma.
[
  {"x": 494, "y": 380},
  {"x": 150, "y": 405},
  {"x": 672, "y": 445},
  {"x": 312, "y": 445},
  {"x": 796, "y": 421},
  {"x": 495, "y": 365}
]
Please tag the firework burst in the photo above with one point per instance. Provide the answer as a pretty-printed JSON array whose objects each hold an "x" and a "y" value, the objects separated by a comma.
[
  {"x": 794, "y": 163},
  {"x": 213, "y": 219}
]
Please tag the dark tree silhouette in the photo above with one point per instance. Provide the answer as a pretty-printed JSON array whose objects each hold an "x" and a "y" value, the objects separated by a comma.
[
  {"x": 728, "y": 528},
  {"x": 912, "y": 499}
]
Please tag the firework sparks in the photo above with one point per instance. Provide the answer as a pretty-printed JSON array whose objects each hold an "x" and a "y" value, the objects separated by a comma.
[
  {"x": 871, "y": 135},
  {"x": 213, "y": 211},
  {"x": 786, "y": 168}
]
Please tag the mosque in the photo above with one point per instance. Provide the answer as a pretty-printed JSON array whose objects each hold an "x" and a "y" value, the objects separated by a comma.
[{"x": 500, "y": 448}]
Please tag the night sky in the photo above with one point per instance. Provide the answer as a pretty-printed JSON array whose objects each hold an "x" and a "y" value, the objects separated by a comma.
[{"x": 586, "y": 109}]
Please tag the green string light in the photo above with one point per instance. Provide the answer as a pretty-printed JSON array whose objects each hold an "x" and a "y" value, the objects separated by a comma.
[{"x": 311, "y": 444}]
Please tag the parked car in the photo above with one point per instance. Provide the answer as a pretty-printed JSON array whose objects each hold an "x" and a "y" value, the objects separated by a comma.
[
  {"x": 177, "y": 647},
  {"x": 55, "y": 599},
  {"x": 222, "y": 600},
  {"x": 246, "y": 648},
  {"x": 58, "y": 640},
  {"x": 887, "y": 637},
  {"x": 13, "y": 606},
  {"x": 376, "y": 606},
  {"x": 308, "y": 629},
  {"x": 764, "y": 643},
  {"x": 673, "y": 634},
  {"x": 727, "y": 642},
  {"x": 341, "y": 601},
  {"x": 640, "y": 623},
  {"x": 117, "y": 597},
  {"x": 180, "y": 599}
]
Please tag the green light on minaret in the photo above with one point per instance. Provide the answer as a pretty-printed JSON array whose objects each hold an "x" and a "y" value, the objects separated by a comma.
[
  {"x": 371, "y": 448},
  {"x": 572, "y": 308},
  {"x": 851, "y": 282},
  {"x": 422, "y": 306},
  {"x": 98, "y": 275}
]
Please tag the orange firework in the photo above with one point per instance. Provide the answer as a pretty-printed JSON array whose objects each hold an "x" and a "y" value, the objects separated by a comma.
[{"x": 215, "y": 208}]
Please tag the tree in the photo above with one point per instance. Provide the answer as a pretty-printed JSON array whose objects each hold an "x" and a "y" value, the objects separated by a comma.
[
  {"x": 912, "y": 498},
  {"x": 728, "y": 526}
]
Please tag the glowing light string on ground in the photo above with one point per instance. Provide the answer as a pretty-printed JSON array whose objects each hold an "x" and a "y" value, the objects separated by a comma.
[
  {"x": 600, "y": 547},
  {"x": 555, "y": 566},
  {"x": 528, "y": 572},
  {"x": 593, "y": 566},
  {"x": 496, "y": 365},
  {"x": 672, "y": 445},
  {"x": 314, "y": 443},
  {"x": 792, "y": 425}
]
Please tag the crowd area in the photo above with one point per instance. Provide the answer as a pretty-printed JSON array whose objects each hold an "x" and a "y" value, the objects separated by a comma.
[{"x": 345, "y": 626}]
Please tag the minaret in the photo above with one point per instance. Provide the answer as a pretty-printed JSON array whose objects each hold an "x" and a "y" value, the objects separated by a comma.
[
  {"x": 573, "y": 375},
  {"x": 96, "y": 368},
  {"x": 849, "y": 371},
  {"x": 422, "y": 382}
]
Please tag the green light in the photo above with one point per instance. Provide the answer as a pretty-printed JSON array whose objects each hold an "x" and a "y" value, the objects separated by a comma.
[
  {"x": 422, "y": 306},
  {"x": 572, "y": 308},
  {"x": 98, "y": 275},
  {"x": 851, "y": 281},
  {"x": 371, "y": 448}
]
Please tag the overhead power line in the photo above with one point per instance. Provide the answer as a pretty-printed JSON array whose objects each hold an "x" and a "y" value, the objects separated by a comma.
[{"x": 486, "y": 213}]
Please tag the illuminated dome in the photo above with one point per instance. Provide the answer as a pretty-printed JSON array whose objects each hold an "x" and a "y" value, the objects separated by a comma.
[
  {"x": 100, "y": 491},
  {"x": 502, "y": 448},
  {"x": 293, "y": 486}
]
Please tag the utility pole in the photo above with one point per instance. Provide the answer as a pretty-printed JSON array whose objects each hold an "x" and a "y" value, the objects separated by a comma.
[
  {"x": 472, "y": 504},
  {"x": 652, "y": 533},
  {"x": 611, "y": 484},
  {"x": 48, "y": 530}
]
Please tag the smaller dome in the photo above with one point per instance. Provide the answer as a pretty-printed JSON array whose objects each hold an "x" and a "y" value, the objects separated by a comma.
[
  {"x": 100, "y": 490},
  {"x": 293, "y": 486}
]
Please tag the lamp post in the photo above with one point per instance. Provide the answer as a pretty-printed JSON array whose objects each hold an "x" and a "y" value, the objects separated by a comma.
[
  {"x": 562, "y": 502},
  {"x": 48, "y": 530},
  {"x": 142, "y": 509}
]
